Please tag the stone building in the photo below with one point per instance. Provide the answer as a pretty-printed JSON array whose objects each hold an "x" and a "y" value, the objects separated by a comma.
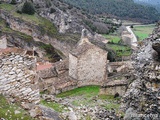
[{"x": 87, "y": 64}]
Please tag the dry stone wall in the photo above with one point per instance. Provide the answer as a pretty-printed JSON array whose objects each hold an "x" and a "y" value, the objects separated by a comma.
[{"x": 18, "y": 77}]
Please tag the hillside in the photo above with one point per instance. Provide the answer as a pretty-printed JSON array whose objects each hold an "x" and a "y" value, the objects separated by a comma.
[
  {"x": 69, "y": 19},
  {"x": 153, "y": 3},
  {"x": 149, "y": 1},
  {"x": 124, "y": 9}
]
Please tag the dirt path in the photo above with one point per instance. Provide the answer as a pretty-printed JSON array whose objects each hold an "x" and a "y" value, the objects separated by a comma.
[{"x": 134, "y": 38}]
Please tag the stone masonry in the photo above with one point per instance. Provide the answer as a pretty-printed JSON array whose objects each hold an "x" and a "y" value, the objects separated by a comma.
[
  {"x": 87, "y": 64},
  {"x": 18, "y": 78}
]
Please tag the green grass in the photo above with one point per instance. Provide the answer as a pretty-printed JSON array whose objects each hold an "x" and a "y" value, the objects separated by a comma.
[
  {"x": 86, "y": 91},
  {"x": 7, "y": 111},
  {"x": 29, "y": 18},
  {"x": 86, "y": 96},
  {"x": 120, "y": 50},
  {"x": 7, "y": 7},
  {"x": 143, "y": 32},
  {"x": 112, "y": 106},
  {"x": 8, "y": 30},
  {"x": 108, "y": 97},
  {"x": 57, "y": 107},
  {"x": 44, "y": 25},
  {"x": 112, "y": 38}
]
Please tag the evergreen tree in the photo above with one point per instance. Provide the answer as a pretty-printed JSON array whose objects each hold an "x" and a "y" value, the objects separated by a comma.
[{"x": 28, "y": 8}]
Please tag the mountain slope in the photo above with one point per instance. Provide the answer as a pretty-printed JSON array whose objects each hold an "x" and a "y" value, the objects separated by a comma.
[
  {"x": 121, "y": 8},
  {"x": 69, "y": 19},
  {"x": 153, "y": 3}
]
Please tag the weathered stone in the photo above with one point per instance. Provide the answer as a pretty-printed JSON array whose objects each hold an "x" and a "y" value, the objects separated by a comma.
[
  {"x": 17, "y": 112},
  {"x": 35, "y": 112},
  {"x": 72, "y": 116},
  {"x": 15, "y": 82},
  {"x": 156, "y": 46},
  {"x": 26, "y": 106},
  {"x": 142, "y": 92},
  {"x": 87, "y": 54}
]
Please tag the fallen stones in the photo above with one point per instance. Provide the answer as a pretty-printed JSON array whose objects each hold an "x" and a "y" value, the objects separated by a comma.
[
  {"x": 44, "y": 113},
  {"x": 35, "y": 112}
]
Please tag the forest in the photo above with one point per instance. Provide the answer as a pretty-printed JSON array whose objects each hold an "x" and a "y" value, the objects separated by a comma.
[{"x": 123, "y": 9}]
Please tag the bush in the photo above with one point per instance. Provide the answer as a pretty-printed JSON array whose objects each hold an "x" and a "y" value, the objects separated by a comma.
[
  {"x": 52, "y": 10},
  {"x": 13, "y": 2},
  {"x": 28, "y": 8},
  {"x": 19, "y": 11}
]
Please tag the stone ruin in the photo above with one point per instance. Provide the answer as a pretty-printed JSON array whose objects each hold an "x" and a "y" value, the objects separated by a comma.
[
  {"x": 114, "y": 87},
  {"x": 81, "y": 69},
  {"x": 84, "y": 64},
  {"x": 18, "y": 77}
]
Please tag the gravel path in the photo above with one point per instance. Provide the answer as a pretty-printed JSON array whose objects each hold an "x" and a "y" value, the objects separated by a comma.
[{"x": 134, "y": 38}]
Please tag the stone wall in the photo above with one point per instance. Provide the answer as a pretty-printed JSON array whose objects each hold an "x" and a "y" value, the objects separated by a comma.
[
  {"x": 120, "y": 66},
  {"x": 113, "y": 87},
  {"x": 18, "y": 78},
  {"x": 73, "y": 66},
  {"x": 92, "y": 67}
]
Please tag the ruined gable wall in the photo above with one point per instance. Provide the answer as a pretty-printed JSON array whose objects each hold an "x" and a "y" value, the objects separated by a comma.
[
  {"x": 18, "y": 78},
  {"x": 92, "y": 67}
]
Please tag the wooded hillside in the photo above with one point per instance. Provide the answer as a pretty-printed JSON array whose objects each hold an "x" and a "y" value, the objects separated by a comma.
[{"x": 124, "y": 9}]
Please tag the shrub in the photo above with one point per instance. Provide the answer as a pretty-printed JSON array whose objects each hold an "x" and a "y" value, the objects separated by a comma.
[
  {"x": 19, "y": 11},
  {"x": 13, "y": 2},
  {"x": 28, "y": 8},
  {"x": 52, "y": 10}
]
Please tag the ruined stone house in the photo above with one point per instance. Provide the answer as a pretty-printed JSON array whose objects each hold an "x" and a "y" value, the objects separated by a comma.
[{"x": 87, "y": 64}]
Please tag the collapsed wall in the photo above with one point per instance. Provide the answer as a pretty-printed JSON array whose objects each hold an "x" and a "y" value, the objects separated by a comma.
[{"x": 18, "y": 78}]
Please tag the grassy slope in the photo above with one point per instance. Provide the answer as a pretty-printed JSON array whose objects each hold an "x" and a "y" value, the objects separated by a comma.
[
  {"x": 45, "y": 26},
  {"x": 7, "y": 111},
  {"x": 120, "y": 50},
  {"x": 87, "y": 91},
  {"x": 87, "y": 94},
  {"x": 84, "y": 96},
  {"x": 112, "y": 38},
  {"x": 7, "y": 7},
  {"x": 56, "y": 106},
  {"x": 143, "y": 32}
]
